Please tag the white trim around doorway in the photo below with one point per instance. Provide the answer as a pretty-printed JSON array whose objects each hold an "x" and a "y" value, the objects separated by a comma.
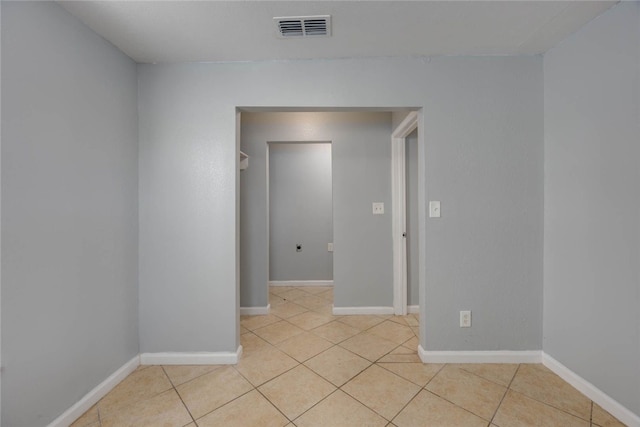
[{"x": 398, "y": 209}]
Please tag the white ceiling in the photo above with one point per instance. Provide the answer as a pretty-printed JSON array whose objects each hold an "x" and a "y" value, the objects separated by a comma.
[{"x": 178, "y": 31}]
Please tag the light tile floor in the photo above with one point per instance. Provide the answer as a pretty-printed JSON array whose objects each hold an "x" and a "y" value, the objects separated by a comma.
[{"x": 304, "y": 367}]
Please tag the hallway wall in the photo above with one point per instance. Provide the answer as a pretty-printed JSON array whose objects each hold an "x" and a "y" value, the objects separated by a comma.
[
  {"x": 300, "y": 212},
  {"x": 361, "y": 170},
  {"x": 482, "y": 121},
  {"x": 592, "y": 203},
  {"x": 69, "y": 211}
]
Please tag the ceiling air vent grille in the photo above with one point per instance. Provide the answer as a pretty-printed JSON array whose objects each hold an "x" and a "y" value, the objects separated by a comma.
[{"x": 303, "y": 26}]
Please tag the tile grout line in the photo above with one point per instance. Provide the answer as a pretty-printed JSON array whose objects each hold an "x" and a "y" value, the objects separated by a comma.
[
  {"x": 178, "y": 394},
  {"x": 549, "y": 404},
  {"x": 505, "y": 394}
]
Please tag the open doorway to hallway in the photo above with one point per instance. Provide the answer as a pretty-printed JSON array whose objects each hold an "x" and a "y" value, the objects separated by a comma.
[{"x": 360, "y": 171}]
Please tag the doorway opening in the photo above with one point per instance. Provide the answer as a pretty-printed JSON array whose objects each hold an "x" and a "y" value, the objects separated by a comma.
[
  {"x": 400, "y": 211},
  {"x": 300, "y": 213},
  {"x": 366, "y": 173}
]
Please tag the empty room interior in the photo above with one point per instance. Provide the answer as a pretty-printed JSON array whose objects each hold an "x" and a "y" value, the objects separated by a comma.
[{"x": 320, "y": 213}]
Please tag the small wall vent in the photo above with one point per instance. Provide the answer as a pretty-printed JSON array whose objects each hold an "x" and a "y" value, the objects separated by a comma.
[{"x": 303, "y": 26}]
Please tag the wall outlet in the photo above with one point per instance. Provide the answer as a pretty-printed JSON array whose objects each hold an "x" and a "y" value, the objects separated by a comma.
[
  {"x": 434, "y": 209},
  {"x": 465, "y": 319},
  {"x": 330, "y": 247},
  {"x": 378, "y": 208}
]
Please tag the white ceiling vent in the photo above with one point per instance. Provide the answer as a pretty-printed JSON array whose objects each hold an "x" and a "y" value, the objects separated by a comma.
[{"x": 303, "y": 26}]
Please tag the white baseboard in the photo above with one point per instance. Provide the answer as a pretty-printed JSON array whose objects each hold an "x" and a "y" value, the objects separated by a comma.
[
  {"x": 255, "y": 311},
  {"x": 347, "y": 311},
  {"x": 196, "y": 358},
  {"x": 592, "y": 392},
  {"x": 91, "y": 398},
  {"x": 500, "y": 356},
  {"x": 301, "y": 283},
  {"x": 413, "y": 309}
]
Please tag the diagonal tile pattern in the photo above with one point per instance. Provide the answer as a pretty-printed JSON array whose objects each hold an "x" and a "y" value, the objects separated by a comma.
[{"x": 304, "y": 367}]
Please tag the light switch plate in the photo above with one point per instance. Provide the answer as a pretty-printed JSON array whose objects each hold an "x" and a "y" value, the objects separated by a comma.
[
  {"x": 434, "y": 209},
  {"x": 378, "y": 208},
  {"x": 330, "y": 247},
  {"x": 465, "y": 319}
]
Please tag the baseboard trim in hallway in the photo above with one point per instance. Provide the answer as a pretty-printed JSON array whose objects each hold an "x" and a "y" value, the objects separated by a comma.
[
  {"x": 347, "y": 311},
  {"x": 98, "y": 392},
  {"x": 298, "y": 283},
  {"x": 536, "y": 356},
  {"x": 502, "y": 356},
  {"x": 195, "y": 358},
  {"x": 592, "y": 392},
  {"x": 255, "y": 311},
  {"x": 413, "y": 309}
]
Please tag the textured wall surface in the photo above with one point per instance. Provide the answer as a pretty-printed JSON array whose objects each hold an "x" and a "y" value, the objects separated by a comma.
[
  {"x": 69, "y": 211},
  {"x": 592, "y": 203}
]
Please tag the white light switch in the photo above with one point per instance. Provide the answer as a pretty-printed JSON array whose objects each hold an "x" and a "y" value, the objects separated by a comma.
[
  {"x": 330, "y": 247},
  {"x": 378, "y": 208},
  {"x": 465, "y": 319},
  {"x": 434, "y": 209}
]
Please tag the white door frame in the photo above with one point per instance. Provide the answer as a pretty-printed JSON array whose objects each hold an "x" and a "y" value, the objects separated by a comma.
[{"x": 398, "y": 209}]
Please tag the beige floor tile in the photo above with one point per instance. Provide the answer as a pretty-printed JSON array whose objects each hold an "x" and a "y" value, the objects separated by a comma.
[
  {"x": 180, "y": 374},
  {"x": 275, "y": 300},
  {"x": 538, "y": 382},
  {"x": 336, "y": 331},
  {"x": 163, "y": 410},
  {"x": 418, "y": 373},
  {"x": 279, "y": 290},
  {"x": 517, "y": 410},
  {"x": 468, "y": 391},
  {"x": 315, "y": 290},
  {"x": 255, "y": 322},
  {"x": 500, "y": 373},
  {"x": 328, "y": 295},
  {"x": 304, "y": 346},
  {"x": 312, "y": 302},
  {"x": 361, "y": 322},
  {"x": 296, "y": 391},
  {"x": 400, "y": 320},
  {"x": 337, "y": 365},
  {"x": 252, "y": 409},
  {"x": 340, "y": 410},
  {"x": 412, "y": 320},
  {"x": 602, "y": 418},
  {"x": 400, "y": 354},
  {"x": 310, "y": 320},
  {"x": 427, "y": 409},
  {"x": 412, "y": 344},
  {"x": 384, "y": 392},
  {"x": 327, "y": 310},
  {"x": 278, "y": 332},
  {"x": 293, "y": 294},
  {"x": 244, "y": 330},
  {"x": 287, "y": 309},
  {"x": 392, "y": 331},
  {"x": 264, "y": 365},
  {"x": 87, "y": 419},
  {"x": 210, "y": 391},
  {"x": 252, "y": 343},
  {"x": 369, "y": 346},
  {"x": 141, "y": 384}
]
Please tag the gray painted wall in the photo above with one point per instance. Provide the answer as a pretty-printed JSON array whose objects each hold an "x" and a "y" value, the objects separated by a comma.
[
  {"x": 300, "y": 211},
  {"x": 483, "y": 133},
  {"x": 592, "y": 203},
  {"x": 69, "y": 211},
  {"x": 411, "y": 180},
  {"x": 361, "y": 162}
]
